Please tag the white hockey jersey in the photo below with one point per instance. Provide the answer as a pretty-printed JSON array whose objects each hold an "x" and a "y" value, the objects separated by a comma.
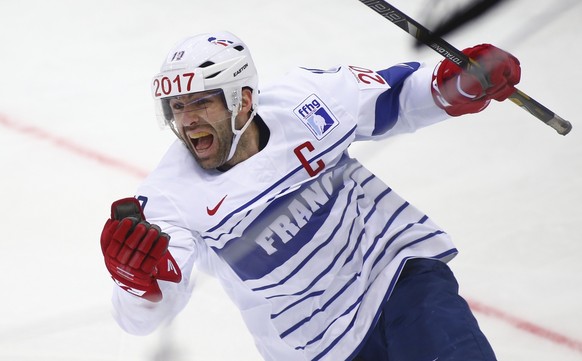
[{"x": 306, "y": 241}]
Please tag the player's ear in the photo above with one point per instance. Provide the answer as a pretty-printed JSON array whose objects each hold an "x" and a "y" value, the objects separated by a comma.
[{"x": 247, "y": 100}]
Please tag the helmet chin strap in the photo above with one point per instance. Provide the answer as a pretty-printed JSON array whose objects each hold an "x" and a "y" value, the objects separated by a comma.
[{"x": 237, "y": 133}]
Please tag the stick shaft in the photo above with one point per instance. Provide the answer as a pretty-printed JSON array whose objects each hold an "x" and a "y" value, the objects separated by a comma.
[{"x": 453, "y": 54}]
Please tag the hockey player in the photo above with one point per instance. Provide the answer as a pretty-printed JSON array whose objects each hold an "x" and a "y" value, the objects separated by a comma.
[{"x": 323, "y": 259}]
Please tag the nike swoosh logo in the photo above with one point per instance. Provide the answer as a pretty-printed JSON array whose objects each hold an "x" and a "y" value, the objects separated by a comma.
[{"x": 213, "y": 211}]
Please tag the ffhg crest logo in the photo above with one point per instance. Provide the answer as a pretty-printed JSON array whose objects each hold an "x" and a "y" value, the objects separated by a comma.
[{"x": 316, "y": 116}]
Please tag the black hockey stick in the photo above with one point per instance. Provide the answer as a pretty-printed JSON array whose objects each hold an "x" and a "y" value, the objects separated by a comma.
[
  {"x": 442, "y": 47},
  {"x": 462, "y": 16}
]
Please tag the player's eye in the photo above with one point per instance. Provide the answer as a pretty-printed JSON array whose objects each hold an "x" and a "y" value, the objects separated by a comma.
[{"x": 177, "y": 106}]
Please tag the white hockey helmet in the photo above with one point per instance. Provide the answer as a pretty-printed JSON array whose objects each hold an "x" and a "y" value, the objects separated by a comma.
[{"x": 218, "y": 60}]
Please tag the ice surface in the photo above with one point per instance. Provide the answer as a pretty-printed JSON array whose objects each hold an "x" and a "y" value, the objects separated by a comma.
[{"x": 77, "y": 131}]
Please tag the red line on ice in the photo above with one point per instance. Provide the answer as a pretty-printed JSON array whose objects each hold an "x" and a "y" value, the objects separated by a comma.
[
  {"x": 526, "y": 326},
  {"x": 41, "y": 134},
  {"x": 67, "y": 145}
]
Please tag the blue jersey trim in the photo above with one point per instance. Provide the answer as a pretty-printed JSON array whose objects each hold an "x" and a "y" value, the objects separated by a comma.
[
  {"x": 306, "y": 260},
  {"x": 374, "y": 263},
  {"x": 244, "y": 206},
  {"x": 388, "y": 103},
  {"x": 377, "y": 316}
]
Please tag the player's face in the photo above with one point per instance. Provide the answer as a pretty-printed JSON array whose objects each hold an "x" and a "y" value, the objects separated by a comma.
[{"x": 204, "y": 123}]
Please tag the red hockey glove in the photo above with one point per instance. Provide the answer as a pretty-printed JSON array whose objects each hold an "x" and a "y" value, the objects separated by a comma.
[
  {"x": 459, "y": 92},
  {"x": 136, "y": 252}
]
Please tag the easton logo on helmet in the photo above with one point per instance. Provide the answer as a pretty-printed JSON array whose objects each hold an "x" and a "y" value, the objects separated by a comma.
[{"x": 240, "y": 70}]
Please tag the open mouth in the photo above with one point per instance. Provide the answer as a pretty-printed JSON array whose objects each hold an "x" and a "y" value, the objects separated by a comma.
[{"x": 201, "y": 140}]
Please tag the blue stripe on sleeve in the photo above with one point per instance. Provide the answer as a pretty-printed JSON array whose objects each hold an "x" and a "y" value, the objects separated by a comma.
[{"x": 388, "y": 102}]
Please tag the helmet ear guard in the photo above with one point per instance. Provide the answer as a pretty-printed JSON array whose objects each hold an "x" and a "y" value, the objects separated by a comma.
[{"x": 167, "y": 111}]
